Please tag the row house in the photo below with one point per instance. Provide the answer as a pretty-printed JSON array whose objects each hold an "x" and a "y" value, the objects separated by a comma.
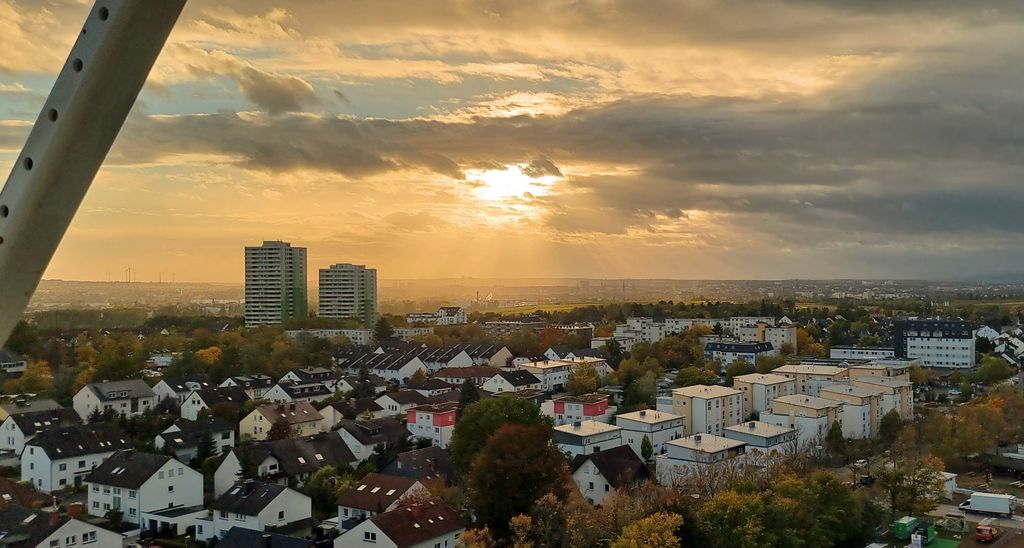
[
  {"x": 479, "y": 374},
  {"x": 511, "y": 380},
  {"x": 348, "y": 383},
  {"x": 232, "y": 396},
  {"x": 430, "y": 387},
  {"x": 289, "y": 461},
  {"x": 129, "y": 398},
  {"x": 434, "y": 422},
  {"x": 132, "y": 483},
  {"x": 22, "y": 405},
  {"x": 363, "y": 436},
  {"x": 59, "y": 458},
  {"x": 27, "y": 527},
  {"x": 301, "y": 418},
  {"x": 185, "y": 438}
]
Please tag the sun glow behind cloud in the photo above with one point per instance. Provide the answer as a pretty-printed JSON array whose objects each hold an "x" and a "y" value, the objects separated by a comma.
[{"x": 504, "y": 184}]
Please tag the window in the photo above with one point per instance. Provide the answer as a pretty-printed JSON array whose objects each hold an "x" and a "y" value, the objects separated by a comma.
[
  {"x": 54, "y": 542},
  {"x": 62, "y": 467},
  {"x": 81, "y": 464},
  {"x": 239, "y": 517},
  {"x": 63, "y": 481},
  {"x": 590, "y": 486},
  {"x": 95, "y": 488},
  {"x": 161, "y": 474},
  {"x": 131, "y": 494},
  {"x": 131, "y": 511},
  {"x": 117, "y": 490},
  {"x": 95, "y": 504},
  {"x": 369, "y": 537},
  {"x": 170, "y": 488},
  {"x": 70, "y": 541},
  {"x": 223, "y": 514},
  {"x": 280, "y": 515}
]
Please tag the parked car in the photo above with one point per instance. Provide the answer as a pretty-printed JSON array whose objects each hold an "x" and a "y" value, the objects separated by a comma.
[
  {"x": 860, "y": 463},
  {"x": 953, "y": 393}
]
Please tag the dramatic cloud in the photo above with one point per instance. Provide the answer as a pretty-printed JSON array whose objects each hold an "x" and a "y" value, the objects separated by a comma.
[{"x": 683, "y": 139}]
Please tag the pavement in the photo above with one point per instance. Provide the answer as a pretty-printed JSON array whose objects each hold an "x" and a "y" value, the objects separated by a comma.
[{"x": 1015, "y": 522}]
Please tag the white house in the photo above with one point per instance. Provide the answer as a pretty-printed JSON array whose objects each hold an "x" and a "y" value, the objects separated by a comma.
[
  {"x": 288, "y": 462},
  {"x": 426, "y": 524},
  {"x": 254, "y": 505},
  {"x": 397, "y": 403},
  {"x": 76, "y": 533},
  {"x": 301, "y": 418},
  {"x": 60, "y": 458},
  {"x": 765, "y": 442},
  {"x": 254, "y": 385},
  {"x": 363, "y": 436},
  {"x": 206, "y": 398},
  {"x": 600, "y": 473},
  {"x": 184, "y": 437},
  {"x": 586, "y": 437},
  {"x": 178, "y": 389},
  {"x": 131, "y": 397},
  {"x": 19, "y": 428},
  {"x": 511, "y": 381},
  {"x": 434, "y": 422},
  {"x": 659, "y": 428},
  {"x": 728, "y": 353},
  {"x": 287, "y": 391},
  {"x": 372, "y": 495},
  {"x": 132, "y": 483}
]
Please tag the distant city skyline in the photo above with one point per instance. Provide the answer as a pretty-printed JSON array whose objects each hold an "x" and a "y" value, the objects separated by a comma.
[{"x": 540, "y": 139}]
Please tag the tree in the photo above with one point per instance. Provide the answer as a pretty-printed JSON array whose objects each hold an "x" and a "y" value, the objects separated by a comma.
[
  {"x": 918, "y": 375},
  {"x": 992, "y": 370},
  {"x": 383, "y": 331},
  {"x": 911, "y": 477},
  {"x": 767, "y": 364},
  {"x": 787, "y": 349},
  {"x": 582, "y": 380},
  {"x": 690, "y": 376},
  {"x": 739, "y": 367},
  {"x": 517, "y": 466},
  {"x": 36, "y": 378},
  {"x": 646, "y": 448},
  {"x": 835, "y": 442},
  {"x": 280, "y": 430},
  {"x": 24, "y": 339},
  {"x": 656, "y": 531},
  {"x": 890, "y": 426},
  {"x": 210, "y": 355},
  {"x": 325, "y": 485},
  {"x": 482, "y": 419},
  {"x": 469, "y": 394},
  {"x": 641, "y": 393}
]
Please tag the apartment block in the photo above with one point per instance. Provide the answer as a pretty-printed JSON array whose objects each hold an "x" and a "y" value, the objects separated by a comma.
[
  {"x": 275, "y": 283},
  {"x": 707, "y": 409}
]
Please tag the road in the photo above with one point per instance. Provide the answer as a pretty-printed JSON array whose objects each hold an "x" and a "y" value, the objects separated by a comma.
[{"x": 1016, "y": 522}]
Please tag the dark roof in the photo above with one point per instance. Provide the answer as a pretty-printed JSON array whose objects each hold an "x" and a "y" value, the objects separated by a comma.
[
  {"x": 253, "y": 381},
  {"x": 30, "y": 423},
  {"x": 406, "y": 397},
  {"x": 418, "y": 523},
  {"x": 442, "y": 407},
  {"x": 519, "y": 377},
  {"x": 619, "y": 465},
  {"x": 237, "y": 537},
  {"x": 181, "y": 384},
  {"x": 588, "y": 353},
  {"x": 427, "y": 384},
  {"x": 191, "y": 432},
  {"x": 328, "y": 445},
  {"x": 22, "y": 527},
  {"x": 374, "y": 431},
  {"x": 75, "y": 441},
  {"x": 234, "y": 395},
  {"x": 375, "y": 492},
  {"x": 112, "y": 390},
  {"x": 248, "y": 497},
  {"x": 474, "y": 372},
  {"x": 561, "y": 350},
  {"x": 304, "y": 390},
  {"x": 422, "y": 464},
  {"x": 9, "y": 356},
  {"x": 128, "y": 469},
  {"x": 738, "y": 347},
  {"x": 291, "y": 413},
  {"x": 361, "y": 405}
]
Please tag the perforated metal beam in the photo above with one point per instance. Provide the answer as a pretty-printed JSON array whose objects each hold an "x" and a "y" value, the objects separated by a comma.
[{"x": 82, "y": 116}]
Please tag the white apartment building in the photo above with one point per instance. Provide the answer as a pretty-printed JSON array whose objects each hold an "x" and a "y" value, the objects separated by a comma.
[
  {"x": 760, "y": 389},
  {"x": 936, "y": 342},
  {"x": 60, "y": 458},
  {"x": 862, "y": 408},
  {"x": 586, "y": 437},
  {"x": 687, "y": 455},
  {"x": 133, "y": 483},
  {"x": 811, "y": 416},
  {"x": 349, "y": 291},
  {"x": 553, "y": 374},
  {"x": 765, "y": 442},
  {"x": 860, "y": 352},
  {"x": 275, "y": 283},
  {"x": 707, "y": 409},
  {"x": 130, "y": 397},
  {"x": 659, "y": 427},
  {"x": 811, "y": 378}
]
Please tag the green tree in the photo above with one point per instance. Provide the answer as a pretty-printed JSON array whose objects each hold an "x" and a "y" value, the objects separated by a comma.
[
  {"x": 689, "y": 376},
  {"x": 280, "y": 430},
  {"x": 890, "y": 427},
  {"x": 738, "y": 368},
  {"x": 655, "y": 531},
  {"x": 469, "y": 394},
  {"x": 482, "y": 419},
  {"x": 835, "y": 442},
  {"x": 383, "y": 331},
  {"x": 646, "y": 448},
  {"x": 518, "y": 465},
  {"x": 582, "y": 380}
]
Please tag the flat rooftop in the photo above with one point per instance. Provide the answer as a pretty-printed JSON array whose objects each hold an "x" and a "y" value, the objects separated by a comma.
[
  {"x": 858, "y": 391},
  {"x": 709, "y": 443},
  {"x": 649, "y": 416},
  {"x": 762, "y": 378},
  {"x": 587, "y": 428},
  {"x": 761, "y": 429},
  {"x": 883, "y": 381},
  {"x": 810, "y": 402},
  {"x": 705, "y": 391},
  {"x": 810, "y": 369}
]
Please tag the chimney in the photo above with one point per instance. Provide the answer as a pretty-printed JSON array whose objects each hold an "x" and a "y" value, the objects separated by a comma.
[
  {"x": 75, "y": 509},
  {"x": 643, "y": 413},
  {"x": 576, "y": 425},
  {"x": 292, "y": 406},
  {"x": 751, "y": 425},
  {"x": 696, "y": 439},
  {"x": 433, "y": 465}
]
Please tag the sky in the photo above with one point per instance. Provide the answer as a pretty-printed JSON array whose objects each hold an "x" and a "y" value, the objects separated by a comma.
[{"x": 733, "y": 139}]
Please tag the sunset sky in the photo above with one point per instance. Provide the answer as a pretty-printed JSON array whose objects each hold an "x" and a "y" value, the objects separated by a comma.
[{"x": 527, "y": 138}]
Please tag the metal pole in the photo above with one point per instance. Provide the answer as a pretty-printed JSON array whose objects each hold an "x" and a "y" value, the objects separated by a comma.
[{"x": 89, "y": 102}]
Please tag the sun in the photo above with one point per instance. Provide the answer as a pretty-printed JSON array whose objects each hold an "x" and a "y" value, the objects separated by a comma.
[{"x": 511, "y": 182}]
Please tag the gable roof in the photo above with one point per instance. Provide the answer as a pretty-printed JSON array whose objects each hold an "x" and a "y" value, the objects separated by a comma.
[
  {"x": 560, "y": 350},
  {"x": 234, "y": 395},
  {"x": 248, "y": 497},
  {"x": 619, "y": 465},
  {"x": 21, "y": 526},
  {"x": 112, "y": 390},
  {"x": 519, "y": 377},
  {"x": 128, "y": 469},
  {"x": 75, "y": 441},
  {"x": 35, "y": 421},
  {"x": 421, "y": 464},
  {"x": 300, "y": 455},
  {"x": 472, "y": 372},
  {"x": 405, "y": 397},
  {"x": 418, "y": 523},
  {"x": 374, "y": 431},
  {"x": 190, "y": 432},
  {"x": 376, "y": 492},
  {"x": 427, "y": 384},
  {"x": 291, "y": 413},
  {"x": 181, "y": 384},
  {"x": 304, "y": 389},
  {"x": 253, "y": 381},
  {"x": 588, "y": 353},
  {"x": 239, "y": 537}
]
